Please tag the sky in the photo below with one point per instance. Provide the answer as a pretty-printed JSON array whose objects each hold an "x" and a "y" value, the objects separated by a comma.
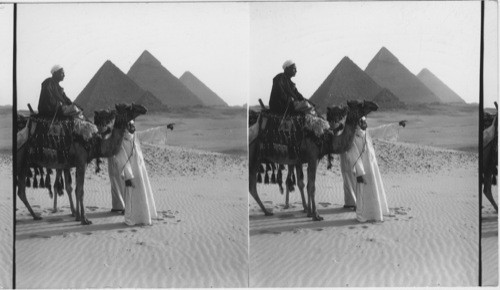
[
  {"x": 6, "y": 49},
  {"x": 236, "y": 48},
  {"x": 443, "y": 37},
  {"x": 491, "y": 48},
  {"x": 208, "y": 39}
]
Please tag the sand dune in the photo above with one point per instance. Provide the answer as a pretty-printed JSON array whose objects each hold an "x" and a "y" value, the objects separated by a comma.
[
  {"x": 6, "y": 222},
  {"x": 199, "y": 239},
  {"x": 430, "y": 239}
]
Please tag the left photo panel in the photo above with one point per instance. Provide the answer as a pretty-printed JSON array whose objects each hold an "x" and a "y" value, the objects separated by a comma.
[
  {"x": 6, "y": 197},
  {"x": 132, "y": 146}
]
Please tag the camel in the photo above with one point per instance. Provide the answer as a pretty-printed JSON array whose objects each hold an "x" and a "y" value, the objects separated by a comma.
[
  {"x": 311, "y": 153},
  {"x": 58, "y": 183},
  {"x": 490, "y": 158},
  {"x": 335, "y": 118},
  {"x": 79, "y": 156}
]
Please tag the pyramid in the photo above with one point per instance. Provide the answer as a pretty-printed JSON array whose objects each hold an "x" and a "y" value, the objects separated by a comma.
[
  {"x": 149, "y": 101},
  {"x": 150, "y": 75},
  {"x": 440, "y": 89},
  {"x": 205, "y": 94},
  {"x": 389, "y": 73},
  {"x": 346, "y": 82},
  {"x": 385, "y": 99},
  {"x": 109, "y": 86}
]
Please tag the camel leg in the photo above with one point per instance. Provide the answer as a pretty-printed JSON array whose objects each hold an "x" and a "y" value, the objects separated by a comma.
[
  {"x": 56, "y": 188},
  {"x": 487, "y": 190},
  {"x": 301, "y": 185},
  {"x": 252, "y": 169},
  {"x": 80, "y": 179},
  {"x": 287, "y": 193},
  {"x": 311, "y": 189},
  {"x": 69, "y": 190},
  {"x": 21, "y": 183}
]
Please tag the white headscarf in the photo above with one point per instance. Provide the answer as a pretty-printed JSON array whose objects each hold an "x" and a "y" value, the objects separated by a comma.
[
  {"x": 288, "y": 63},
  {"x": 55, "y": 68}
]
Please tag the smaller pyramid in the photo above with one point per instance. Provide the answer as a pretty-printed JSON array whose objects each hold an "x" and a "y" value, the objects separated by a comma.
[
  {"x": 439, "y": 88},
  {"x": 204, "y": 93},
  {"x": 109, "y": 86},
  {"x": 385, "y": 99},
  {"x": 152, "y": 76},
  {"x": 346, "y": 82}
]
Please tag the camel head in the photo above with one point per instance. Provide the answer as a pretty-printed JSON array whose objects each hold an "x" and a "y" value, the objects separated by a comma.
[
  {"x": 336, "y": 116},
  {"x": 359, "y": 109},
  {"x": 104, "y": 120},
  {"x": 128, "y": 112}
]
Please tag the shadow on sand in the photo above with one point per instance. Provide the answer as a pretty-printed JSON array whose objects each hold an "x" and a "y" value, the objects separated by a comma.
[
  {"x": 66, "y": 224},
  {"x": 292, "y": 221}
]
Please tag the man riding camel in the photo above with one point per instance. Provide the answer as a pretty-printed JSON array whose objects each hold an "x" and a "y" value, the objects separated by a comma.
[
  {"x": 285, "y": 99},
  {"x": 53, "y": 101}
]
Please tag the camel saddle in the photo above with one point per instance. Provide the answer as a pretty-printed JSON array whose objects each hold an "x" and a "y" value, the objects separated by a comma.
[
  {"x": 279, "y": 135},
  {"x": 51, "y": 139}
]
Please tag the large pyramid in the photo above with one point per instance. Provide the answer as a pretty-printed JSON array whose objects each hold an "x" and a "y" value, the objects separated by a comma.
[
  {"x": 346, "y": 82},
  {"x": 204, "y": 93},
  {"x": 148, "y": 73},
  {"x": 110, "y": 86},
  {"x": 440, "y": 89},
  {"x": 388, "y": 72}
]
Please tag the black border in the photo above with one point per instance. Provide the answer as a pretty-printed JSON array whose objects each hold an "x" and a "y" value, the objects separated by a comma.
[{"x": 14, "y": 144}]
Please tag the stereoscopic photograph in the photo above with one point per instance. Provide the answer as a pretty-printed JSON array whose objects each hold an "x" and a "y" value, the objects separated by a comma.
[
  {"x": 257, "y": 144},
  {"x": 131, "y": 149},
  {"x": 363, "y": 144}
]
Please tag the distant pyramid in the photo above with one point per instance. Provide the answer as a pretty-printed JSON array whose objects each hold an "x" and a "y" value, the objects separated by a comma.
[
  {"x": 148, "y": 73},
  {"x": 385, "y": 99},
  {"x": 149, "y": 101},
  {"x": 204, "y": 93},
  {"x": 346, "y": 82},
  {"x": 109, "y": 86},
  {"x": 388, "y": 72},
  {"x": 440, "y": 89}
]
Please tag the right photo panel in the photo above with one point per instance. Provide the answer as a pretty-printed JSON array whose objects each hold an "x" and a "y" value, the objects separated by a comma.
[
  {"x": 489, "y": 207},
  {"x": 363, "y": 144}
]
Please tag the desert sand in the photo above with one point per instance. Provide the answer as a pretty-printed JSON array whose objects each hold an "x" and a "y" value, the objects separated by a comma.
[
  {"x": 6, "y": 223},
  {"x": 430, "y": 238},
  {"x": 489, "y": 241},
  {"x": 199, "y": 240}
]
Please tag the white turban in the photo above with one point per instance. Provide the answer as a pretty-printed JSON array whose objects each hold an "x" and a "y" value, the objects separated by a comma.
[
  {"x": 55, "y": 68},
  {"x": 288, "y": 63}
]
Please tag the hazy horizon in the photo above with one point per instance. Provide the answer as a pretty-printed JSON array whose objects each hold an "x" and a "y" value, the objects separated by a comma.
[
  {"x": 191, "y": 37},
  {"x": 238, "y": 61},
  {"x": 442, "y": 36}
]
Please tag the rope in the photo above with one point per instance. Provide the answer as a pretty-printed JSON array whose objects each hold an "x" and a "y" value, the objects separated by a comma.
[
  {"x": 360, "y": 154},
  {"x": 131, "y": 153}
]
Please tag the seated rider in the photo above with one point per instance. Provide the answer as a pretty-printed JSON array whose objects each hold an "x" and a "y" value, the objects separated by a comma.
[
  {"x": 53, "y": 101},
  {"x": 285, "y": 98}
]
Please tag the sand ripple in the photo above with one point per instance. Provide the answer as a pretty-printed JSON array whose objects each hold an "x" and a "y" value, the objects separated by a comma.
[
  {"x": 431, "y": 239},
  {"x": 6, "y": 223},
  {"x": 199, "y": 239}
]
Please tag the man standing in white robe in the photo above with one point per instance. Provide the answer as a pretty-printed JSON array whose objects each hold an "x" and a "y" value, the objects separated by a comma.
[
  {"x": 371, "y": 201},
  {"x": 140, "y": 206},
  {"x": 117, "y": 186}
]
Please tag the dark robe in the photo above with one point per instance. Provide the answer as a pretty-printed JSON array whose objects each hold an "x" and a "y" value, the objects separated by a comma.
[
  {"x": 283, "y": 94},
  {"x": 52, "y": 98}
]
